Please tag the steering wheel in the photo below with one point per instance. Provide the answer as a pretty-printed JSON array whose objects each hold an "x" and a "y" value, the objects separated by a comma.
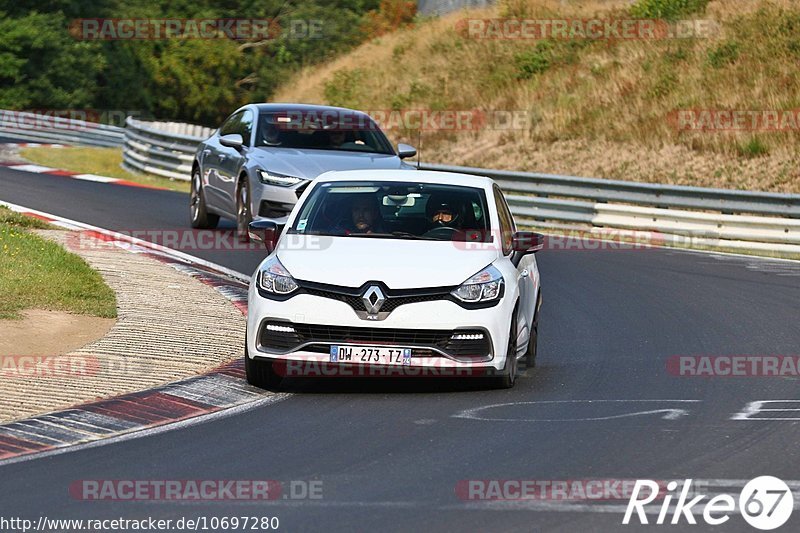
[{"x": 443, "y": 232}]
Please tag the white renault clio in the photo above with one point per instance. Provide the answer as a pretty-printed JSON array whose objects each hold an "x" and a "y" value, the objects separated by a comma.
[{"x": 419, "y": 273}]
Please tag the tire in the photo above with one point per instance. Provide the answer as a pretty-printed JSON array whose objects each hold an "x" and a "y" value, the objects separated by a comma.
[
  {"x": 198, "y": 213},
  {"x": 243, "y": 215},
  {"x": 260, "y": 373},
  {"x": 530, "y": 356},
  {"x": 509, "y": 375}
]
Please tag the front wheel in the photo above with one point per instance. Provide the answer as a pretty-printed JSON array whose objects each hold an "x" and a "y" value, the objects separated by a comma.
[
  {"x": 509, "y": 375},
  {"x": 530, "y": 359},
  {"x": 200, "y": 217},
  {"x": 261, "y": 374},
  {"x": 243, "y": 215}
]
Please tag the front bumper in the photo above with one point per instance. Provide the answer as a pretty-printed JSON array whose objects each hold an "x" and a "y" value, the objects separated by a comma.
[
  {"x": 425, "y": 327},
  {"x": 274, "y": 201}
]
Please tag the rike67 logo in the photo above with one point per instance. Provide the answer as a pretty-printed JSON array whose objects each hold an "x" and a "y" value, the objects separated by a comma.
[{"x": 765, "y": 503}]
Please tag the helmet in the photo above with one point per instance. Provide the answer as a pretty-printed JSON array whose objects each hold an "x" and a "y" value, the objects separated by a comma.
[{"x": 444, "y": 204}]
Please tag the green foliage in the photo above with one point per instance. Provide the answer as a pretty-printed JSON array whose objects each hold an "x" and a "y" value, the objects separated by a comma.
[
  {"x": 343, "y": 89},
  {"x": 534, "y": 60},
  {"x": 667, "y": 9},
  {"x": 29, "y": 265},
  {"x": 755, "y": 147},
  {"x": 44, "y": 66},
  {"x": 41, "y": 66},
  {"x": 724, "y": 54}
]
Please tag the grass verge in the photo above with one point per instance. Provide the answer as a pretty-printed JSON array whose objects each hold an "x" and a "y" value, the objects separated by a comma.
[
  {"x": 36, "y": 273},
  {"x": 99, "y": 161}
]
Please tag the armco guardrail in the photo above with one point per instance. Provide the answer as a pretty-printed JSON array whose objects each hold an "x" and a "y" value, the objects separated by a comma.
[
  {"x": 719, "y": 218},
  {"x": 162, "y": 148},
  {"x": 52, "y": 129},
  {"x": 715, "y": 218}
]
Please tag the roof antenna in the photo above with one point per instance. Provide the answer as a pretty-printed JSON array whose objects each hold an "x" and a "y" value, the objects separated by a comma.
[{"x": 419, "y": 145}]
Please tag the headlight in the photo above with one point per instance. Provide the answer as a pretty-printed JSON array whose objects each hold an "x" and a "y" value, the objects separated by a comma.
[
  {"x": 273, "y": 178},
  {"x": 275, "y": 279},
  {"x": 484, "y": 286}
]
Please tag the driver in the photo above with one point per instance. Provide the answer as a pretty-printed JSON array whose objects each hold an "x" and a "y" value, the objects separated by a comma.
[
  {"x": 442, "y": 213},
  {"x": 337, "y": 138}
]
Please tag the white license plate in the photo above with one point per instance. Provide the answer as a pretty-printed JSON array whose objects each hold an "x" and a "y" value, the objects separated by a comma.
[{"x": 383, "y": 355}]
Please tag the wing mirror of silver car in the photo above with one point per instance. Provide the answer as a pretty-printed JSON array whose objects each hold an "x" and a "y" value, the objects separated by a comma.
[
  {"x": 266, "y": 231},
  {"x": 232, "y": 140},
  {"x": 406, "y": 150}
]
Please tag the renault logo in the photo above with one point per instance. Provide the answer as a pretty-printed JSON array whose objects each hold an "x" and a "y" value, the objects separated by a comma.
[{"x": 373, "y": 299}]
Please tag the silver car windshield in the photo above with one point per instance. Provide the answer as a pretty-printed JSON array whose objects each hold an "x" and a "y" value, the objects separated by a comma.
[
  {"x": 320, "y": 131},
  {"x": 395, "y": 210}
]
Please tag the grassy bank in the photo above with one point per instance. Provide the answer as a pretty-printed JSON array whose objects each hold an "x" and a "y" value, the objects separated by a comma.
[
  {"x": 602, "y": 108},
  {"x": 39, "y": 274},
  {"x": 99, "y": 161}
]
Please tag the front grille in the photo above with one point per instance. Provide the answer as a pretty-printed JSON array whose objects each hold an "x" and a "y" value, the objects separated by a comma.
[
  {"x": 388, "y": 306},
  {"x": 394, "y": 298},
  {"x": 270, "y": 209},
  {"x": 318, "y": 337}
]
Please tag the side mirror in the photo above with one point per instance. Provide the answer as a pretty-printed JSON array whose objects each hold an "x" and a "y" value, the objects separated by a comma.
[
  {"x": 527, "y": 242},
  {"x": 232, "y": 140},
  {"x": 266, "y": 231},
  {"x": 406, "y": 150}
]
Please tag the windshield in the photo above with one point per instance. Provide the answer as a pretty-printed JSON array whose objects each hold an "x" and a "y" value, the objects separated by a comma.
[
  {"x": 339, "y": 131},
  {"x": 399, "y": 210}
]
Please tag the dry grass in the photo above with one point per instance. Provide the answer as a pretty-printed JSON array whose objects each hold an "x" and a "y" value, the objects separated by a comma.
[
  {"x": 597, "y": 108},
  {"x": 98, "y": 161}
]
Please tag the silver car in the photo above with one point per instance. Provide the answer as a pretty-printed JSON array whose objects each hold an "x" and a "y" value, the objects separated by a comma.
[{"x": 259, "y": 162}]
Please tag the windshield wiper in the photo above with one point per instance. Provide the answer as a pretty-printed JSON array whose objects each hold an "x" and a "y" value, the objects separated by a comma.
[
  {"x": 397, "y": 234},
  {"x": 406, "y": 235}
]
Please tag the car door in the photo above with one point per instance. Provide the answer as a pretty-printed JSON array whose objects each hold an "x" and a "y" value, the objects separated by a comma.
[
  {"x": 231, "y": 159},
  {"x": 527, "y": 273},
  {"x": 214, "y": 156}
]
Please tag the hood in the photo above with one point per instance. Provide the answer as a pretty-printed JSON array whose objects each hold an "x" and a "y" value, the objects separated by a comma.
[
  {"x": 311, "y": 163},
  {"x": 399, "y": 263}
]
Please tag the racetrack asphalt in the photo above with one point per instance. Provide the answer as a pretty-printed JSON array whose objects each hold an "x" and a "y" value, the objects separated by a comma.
[{"x": 601, "y": 403}]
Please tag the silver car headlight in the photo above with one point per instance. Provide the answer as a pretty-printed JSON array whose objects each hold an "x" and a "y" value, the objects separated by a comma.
[
  {"x": 485, "y": 286},
  {"x": 274, "y": 178},
  {"x": 275, "y": 279}
]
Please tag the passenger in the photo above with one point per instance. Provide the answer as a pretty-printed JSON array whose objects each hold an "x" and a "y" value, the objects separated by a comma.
[{"x": 365, "y": 215}]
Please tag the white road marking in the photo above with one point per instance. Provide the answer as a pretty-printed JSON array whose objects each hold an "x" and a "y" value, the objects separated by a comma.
[
  {"x": 94, "y": 177},
  {"x": 38, "y": 169},
  {"x": 753, "y": 408},
  {"x": 669, "y": 413}
]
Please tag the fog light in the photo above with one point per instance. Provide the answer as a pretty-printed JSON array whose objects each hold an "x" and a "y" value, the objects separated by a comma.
[
  {"x": 467, "y": 337},
  {"x": 281, "y": 329}
]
